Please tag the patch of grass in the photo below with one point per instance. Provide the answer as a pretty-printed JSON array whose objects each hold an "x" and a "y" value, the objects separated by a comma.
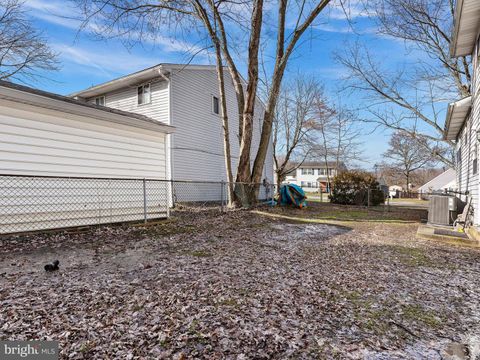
[
  {"x": 200, "y": 253},
  {"x": 137, "y": 307},
  {"x": 196, "y": 335},
  {"x": 228, "y": 302},
  {"x": 413, "y": 256},
  {"x": 86, "y": 347},
  {"x": 416, "y": 312}
]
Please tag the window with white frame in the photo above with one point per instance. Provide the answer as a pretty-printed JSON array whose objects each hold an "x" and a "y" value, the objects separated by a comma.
[
  {"x": 307, "y": 171},
  {"x": 144, "y": 94},
  {"x": 100, "y": 100},
  {"x": 215, "y": 105}
]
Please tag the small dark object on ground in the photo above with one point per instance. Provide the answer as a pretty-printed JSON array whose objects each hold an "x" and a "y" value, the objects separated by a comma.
[{"x": 52, "y": 266}]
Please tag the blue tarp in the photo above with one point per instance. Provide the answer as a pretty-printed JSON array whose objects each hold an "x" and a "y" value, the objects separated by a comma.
[{"x": 291, "y": 194}]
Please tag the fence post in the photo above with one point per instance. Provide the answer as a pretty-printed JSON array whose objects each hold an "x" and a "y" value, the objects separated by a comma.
[
  {"x": 273, "y": 195},
  {"x": 144, "y": 201},
  {"x": 368, "y": 197},
  {"x": 172, "y": 193},
  {"x": 221, "y": 192},
  {"x": 167, "y": 197}
]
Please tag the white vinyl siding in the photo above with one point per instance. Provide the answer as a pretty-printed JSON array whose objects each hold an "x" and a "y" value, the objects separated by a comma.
[
  {"x": 197, "y": 144},
  {"x": 467, "y": 144},
  {"x": 41, "y": 142},
  {"x": 127, "y": 99}
]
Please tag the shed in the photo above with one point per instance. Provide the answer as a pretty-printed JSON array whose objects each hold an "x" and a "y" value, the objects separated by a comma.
[
  {"x": 65, "y": 163},
  {"x": 441, "y": 183}
]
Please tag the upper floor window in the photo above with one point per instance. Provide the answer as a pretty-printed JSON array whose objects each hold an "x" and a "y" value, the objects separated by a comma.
[
  {"x": 215, "y": 105},
  {"x": 144, "y": 94},
  {"x": 100, "y": 100},
  {"x": 307, "y": 171}
]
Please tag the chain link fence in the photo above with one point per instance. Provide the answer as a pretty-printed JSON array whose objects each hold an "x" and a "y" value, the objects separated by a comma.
[{"x": 30, "y": 203}]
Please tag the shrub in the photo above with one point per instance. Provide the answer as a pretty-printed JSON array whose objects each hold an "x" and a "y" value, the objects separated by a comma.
[{"x": 351, "y": 188}]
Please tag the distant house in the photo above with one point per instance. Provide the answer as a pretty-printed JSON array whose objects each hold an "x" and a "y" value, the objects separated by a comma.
[
  {"x": 394, "y": 191},
  {"x": 462, "y": 123},
  {"x": 446, "y": 181},
  {"x": 313, "y": 176}
]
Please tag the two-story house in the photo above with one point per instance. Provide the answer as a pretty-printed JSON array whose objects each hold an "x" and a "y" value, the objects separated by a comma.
[
  {"x": 463, "y": 116},
  {"x": 186, "y": 97},
  {"x": 314, "y": 176}
]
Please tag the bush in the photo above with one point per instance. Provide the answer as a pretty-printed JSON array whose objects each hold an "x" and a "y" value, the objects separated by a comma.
[{"x": 351, "y": 188}]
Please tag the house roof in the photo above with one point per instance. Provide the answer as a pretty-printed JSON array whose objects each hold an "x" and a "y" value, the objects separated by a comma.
[
  {"x": 321, "y": 164},
  {"x": 439, "y": 182},
  {"x": 24, "y": 94},
  {"x": 137, "y": 78},
  {"x": 456, "y": 115},
  {"x": 465, "y": 29}
]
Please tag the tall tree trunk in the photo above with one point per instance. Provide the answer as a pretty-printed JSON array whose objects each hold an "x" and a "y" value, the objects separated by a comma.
[
  {"x": 226, "y": 131},
  {"x": 245, "y": 192},
  {"x": 281, "y": 58}
]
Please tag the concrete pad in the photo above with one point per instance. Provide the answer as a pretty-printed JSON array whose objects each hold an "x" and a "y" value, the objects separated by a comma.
[{"x": 446, "y": 235}]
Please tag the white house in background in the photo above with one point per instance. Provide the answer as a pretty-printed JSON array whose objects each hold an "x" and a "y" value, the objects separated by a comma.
[
  {"x": 312, "y": 175},
  {"x": 52, "y": 138},
  {"x": 394, "y": 191},
  {"x": 463, "y": 116},
  {"x": 186, "y": 97},
  {"x": 446, "y": 181}
]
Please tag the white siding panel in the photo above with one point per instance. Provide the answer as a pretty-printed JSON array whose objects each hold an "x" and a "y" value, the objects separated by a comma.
[
  {"x": 198, "y": 140},
  {"x": 126, "y": 99},
  {"x": 56, "y": 144}
]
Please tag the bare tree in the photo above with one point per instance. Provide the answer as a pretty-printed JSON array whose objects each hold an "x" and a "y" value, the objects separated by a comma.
[
  {"x": 339, "y": 136},
  {"x": 295, "y": 124},
  {"x": 224, "y": 20},
  {"x": 410, "y": 99},
  {"x": 407, "y": 155},
  {"x": 23, "y": 50}
]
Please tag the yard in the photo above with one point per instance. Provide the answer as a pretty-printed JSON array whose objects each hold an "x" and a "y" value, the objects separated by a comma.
[{"x": 271, "y": 283}]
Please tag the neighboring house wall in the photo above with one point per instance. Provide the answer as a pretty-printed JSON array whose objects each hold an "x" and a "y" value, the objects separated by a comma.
[
  {"x": 126, "y": 99},
  {"x": 198, "y": 145},
  {"x": 44, "y": 142},
  {"x": 310, "y": 178},
  {"x": 185, "y": 102}
]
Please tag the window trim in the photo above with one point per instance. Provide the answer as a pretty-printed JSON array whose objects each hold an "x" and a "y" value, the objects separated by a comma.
[
  {"x": 213, "y": 105},
  {"x": 100, "y": 97},
  {"x": 142, "y": 94}
]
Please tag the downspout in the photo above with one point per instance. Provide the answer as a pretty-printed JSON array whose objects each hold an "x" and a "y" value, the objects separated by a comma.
[
  {"x": 169, "y": 136},
  {"x": 169, "y": 139}
]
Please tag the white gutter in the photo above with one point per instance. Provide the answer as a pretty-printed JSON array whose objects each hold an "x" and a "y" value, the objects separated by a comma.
[{"x": 456, "y": 27}]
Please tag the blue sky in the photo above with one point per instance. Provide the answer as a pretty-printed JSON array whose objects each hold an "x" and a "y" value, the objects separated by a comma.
[{"x": 86, "y": 61}]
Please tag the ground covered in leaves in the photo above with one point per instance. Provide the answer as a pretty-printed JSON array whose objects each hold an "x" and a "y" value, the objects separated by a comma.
[{"x": 275, "y": 283}]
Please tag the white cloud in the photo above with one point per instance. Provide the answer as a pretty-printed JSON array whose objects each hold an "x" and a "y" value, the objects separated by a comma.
[
  {"x": 102, "y": 60},
  {"x": 60, "y": 13},
  {"x": 351, "y": 9}
]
